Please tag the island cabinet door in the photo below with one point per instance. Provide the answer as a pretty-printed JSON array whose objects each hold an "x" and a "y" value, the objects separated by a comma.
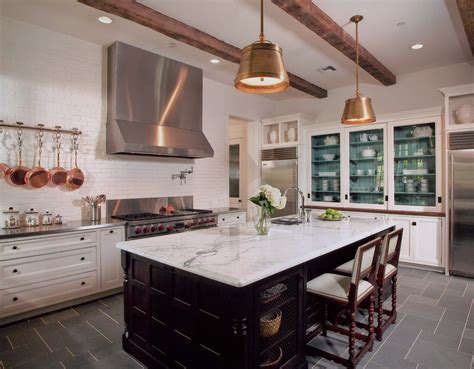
[{"x": 176, "y": 319}]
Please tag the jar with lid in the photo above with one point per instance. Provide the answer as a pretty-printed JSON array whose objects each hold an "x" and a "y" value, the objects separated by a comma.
[
  {"x": 10, "y": 219},
  {"x": 32, "y": 218},
  {"x": 47, "y": 218}
]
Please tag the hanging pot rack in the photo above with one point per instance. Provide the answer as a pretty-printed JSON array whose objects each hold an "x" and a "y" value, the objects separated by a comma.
[{"x": 73, "y": 131}]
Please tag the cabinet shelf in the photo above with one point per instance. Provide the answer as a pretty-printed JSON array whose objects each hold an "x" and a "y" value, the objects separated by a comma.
[
  {"x": 326, "y": 161},
  {"x": 415, "y": 193},
  {"x": 365, "y": 159},
  {"x": 414, "y": 175},
  {"x": 324, "y": 146},
  {"x": 367, "y": 192},
  {"x": 321, "y": 191},
  {"x": 366, "y": 175},
  {"x": 413, "y": 138},
  {"x": 366, "y": 143},
  {"x": 414, "y": 157}
]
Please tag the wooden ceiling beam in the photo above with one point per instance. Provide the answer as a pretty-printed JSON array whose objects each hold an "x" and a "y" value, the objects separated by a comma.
[
  {"x": 311, "y": 16},
  {"x": 466, "y": 11},
  {"x": 141, "y": 14}
]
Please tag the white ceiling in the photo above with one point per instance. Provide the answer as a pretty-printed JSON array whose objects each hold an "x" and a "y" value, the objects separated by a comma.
[{"x": 236, "y": 22}]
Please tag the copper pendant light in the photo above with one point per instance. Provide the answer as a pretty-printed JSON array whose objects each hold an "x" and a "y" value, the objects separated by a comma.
[
  {"x": 358, "y": 109},
  {"x": 261, "y": 68}
]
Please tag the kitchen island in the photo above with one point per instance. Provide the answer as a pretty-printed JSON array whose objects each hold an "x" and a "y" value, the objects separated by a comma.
[{"x": 195, "y": 299}]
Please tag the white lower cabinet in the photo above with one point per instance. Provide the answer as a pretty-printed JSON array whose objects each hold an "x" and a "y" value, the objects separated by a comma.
[
  {"x": 422, "y": 239},
  {"x": 111, "y": 272},
  {"x": 36, "y": 272}
]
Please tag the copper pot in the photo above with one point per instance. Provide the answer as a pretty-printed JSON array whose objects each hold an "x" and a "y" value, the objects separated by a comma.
[
  {"x": 37, "y": 177},
  {"x": 75, "y": 177},
  {"x": 57, "y": 175},
  {"x": 15, "y": 176},
  {"x": 3, "y": 166}
]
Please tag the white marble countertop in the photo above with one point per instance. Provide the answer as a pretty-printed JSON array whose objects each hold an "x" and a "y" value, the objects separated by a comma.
[{"x": 236, "y": 256}]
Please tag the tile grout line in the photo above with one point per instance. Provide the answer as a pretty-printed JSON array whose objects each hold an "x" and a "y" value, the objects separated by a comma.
[
  {"x": 103, "y": 312},
  {"x": 70, "y": 352},
  {"x": 107, "y": 338},
  {"x": 424, "y": 289},
  {"x": 42, "y": 339},
  {"x": 465, "y": 325},
  {"x": 75, "y": 311},
  {"x": 41, "y": 318},
  {"x": 386, "y": 338},
  {"x": 61, "y": 324},
  {"x": 442, "y": 293},
  {"x": 64, "y": 366},
  {"x": 103, "y": 303},
  {"x": 90, "y": 353},
  {"x": 439, "y": 321},
  {"x": 413, "y": 344},
  {"x": 465, "y": 290},
  {"x": 10, "y": 342}
]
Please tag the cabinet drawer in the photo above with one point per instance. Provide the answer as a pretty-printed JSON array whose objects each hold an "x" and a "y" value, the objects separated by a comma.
[
  {"x": 37, "y": 295},
  {"x": 231, "y": 218},
  {"x": 33, "y": 269},
  {"x": 45, "y": 245}
]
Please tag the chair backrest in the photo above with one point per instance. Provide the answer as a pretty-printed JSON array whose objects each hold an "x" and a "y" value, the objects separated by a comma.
[
  {"x": 366, "y": 261},
  {"x": 391, "y": 248}
]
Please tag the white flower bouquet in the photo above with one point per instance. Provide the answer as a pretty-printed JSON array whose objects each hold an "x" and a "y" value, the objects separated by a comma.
[{"x": 268, "y": 199}]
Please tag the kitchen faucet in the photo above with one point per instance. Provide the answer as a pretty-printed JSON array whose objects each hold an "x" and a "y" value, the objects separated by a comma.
[{"x": 301, "y": 214}]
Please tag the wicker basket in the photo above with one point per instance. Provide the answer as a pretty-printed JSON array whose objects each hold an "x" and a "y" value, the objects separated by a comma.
[
  {"x": 270, "y": 323},
  {"x": 272, "y": 359},
  {"x": 272, "y": 293}
]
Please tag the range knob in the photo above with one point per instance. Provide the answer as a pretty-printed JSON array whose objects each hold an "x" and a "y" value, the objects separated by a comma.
[
  {"x": 146, "y": 229},
  {"x": 160, "y": 227},
  {"x": 212, "y": 220},
  {"x": 138, "y": 230},
  {"x": 188, "y": 225},
  {"x": 207, "y": 221},
  {"x": 153, "y": 228},
  {"x": 169, "y": 228}
]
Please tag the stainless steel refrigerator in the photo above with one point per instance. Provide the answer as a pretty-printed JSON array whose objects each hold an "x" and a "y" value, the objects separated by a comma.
[
  {"x": 280, "y": 170},
  {"x": 461, "y": 204}
]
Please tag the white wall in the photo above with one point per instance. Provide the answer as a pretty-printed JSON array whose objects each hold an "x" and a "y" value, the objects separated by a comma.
[
  {"x": 413, "y": 91},
  {"x": 51, "y": 78}
]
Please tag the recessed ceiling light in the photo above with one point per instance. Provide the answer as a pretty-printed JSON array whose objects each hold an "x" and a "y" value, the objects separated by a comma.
[
  {"x": 105, "y": 20},
  {"x": 416, "y": 46},
  {"x": 215, "y": 61}
]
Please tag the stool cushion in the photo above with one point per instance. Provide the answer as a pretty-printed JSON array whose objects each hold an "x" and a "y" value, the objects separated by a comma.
[
  {"x": 336, "y": 287},
  {"x": 346, "y": 268}
]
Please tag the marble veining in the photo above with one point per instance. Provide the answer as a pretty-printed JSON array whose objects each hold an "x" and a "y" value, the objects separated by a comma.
[{"x": 235, "y": 255}]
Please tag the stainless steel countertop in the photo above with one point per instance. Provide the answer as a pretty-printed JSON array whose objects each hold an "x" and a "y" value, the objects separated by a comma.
[{"x": 74, "y": 226}]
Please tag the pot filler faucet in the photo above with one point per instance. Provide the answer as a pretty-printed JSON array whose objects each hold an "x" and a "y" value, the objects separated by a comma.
[{"x": 301, "y": 213}]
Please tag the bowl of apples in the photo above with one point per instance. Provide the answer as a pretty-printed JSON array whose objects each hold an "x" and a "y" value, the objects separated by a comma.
[{"x": 332, "y": 215}]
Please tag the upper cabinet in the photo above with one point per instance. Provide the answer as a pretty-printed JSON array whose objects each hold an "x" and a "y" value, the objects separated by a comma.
[
  {"x": 458, "y": 107},
  {"x": 282, "y": 131},
  {"x": 393, "y": 165}
]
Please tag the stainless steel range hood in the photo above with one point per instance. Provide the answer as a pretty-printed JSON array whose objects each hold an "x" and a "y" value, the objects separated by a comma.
[{"x": 154, "y": 105}]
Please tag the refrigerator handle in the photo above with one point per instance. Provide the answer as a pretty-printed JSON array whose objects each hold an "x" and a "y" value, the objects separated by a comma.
[{"x": 451, "y": 211}]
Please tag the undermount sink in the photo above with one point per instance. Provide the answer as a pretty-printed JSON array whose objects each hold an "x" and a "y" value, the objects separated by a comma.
[{"x": 287, "y": 221}]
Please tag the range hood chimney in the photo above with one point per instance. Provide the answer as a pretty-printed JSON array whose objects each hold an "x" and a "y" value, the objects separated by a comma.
[{"x": 154, "y": 105}]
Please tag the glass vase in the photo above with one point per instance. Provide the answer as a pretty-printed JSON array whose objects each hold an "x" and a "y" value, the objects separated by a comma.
[{"x": 262, "y": 222}]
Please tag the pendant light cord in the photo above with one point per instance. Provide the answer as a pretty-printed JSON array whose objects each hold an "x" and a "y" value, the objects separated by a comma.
[
  {"x": 262, "y": 35},
  {"x": 357, "y": 59}
]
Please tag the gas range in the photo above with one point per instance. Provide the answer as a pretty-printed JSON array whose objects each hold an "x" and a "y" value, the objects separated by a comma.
[{"x": 159, "y": 216}]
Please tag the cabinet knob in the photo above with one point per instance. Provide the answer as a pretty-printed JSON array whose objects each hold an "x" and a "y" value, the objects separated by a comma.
[
  {"x": 15, "y": 247},
  {"x": 111, "y": 231},
  {"x": 238, "y": 217},
  {"x": 223, "y": 219},
  {"x": 15, "y": 270},
  {"x": 83, "y": 283},
  {"x": 83, "y": 258},
  {"x": 413, "y": 223},
  {"x": 82, "y": 238},
  {"x": 15, "y": 299}
]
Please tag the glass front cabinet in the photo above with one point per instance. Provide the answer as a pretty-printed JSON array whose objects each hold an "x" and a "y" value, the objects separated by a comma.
[{"x": 394, "y": 165}]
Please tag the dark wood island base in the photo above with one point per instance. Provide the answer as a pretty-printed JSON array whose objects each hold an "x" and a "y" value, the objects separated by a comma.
[{"x": 177, "y": 319}]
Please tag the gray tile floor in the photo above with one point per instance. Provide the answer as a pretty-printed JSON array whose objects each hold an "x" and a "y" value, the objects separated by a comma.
[{"x": 435, "y": 330}]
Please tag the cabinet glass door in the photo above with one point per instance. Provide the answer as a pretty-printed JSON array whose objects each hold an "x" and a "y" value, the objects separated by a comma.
[
  {"x": 415, "y": 165},
  {"x": 326, "y": 168},
  {"x": 366, "y": 158}
]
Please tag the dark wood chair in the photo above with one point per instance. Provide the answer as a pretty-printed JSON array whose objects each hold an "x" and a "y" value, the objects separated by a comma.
[
  {"x": 349, "y": 292},
  {"x": 387, "y": 274}
]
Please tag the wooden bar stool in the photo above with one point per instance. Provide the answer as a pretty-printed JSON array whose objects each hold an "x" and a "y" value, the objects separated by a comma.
[
  {"x": 387, "y": 274},
  {"x": 349, "y": 292}
]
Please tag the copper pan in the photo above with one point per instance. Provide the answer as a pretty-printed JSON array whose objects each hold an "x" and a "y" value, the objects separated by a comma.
[
  {"x": 57, "y": 175},
  {"x": 75, "y": 177},
  {"x": 37, "y": 177},
  {"x": 3, "y": 166},
  {"x": 15, "y": 176}
]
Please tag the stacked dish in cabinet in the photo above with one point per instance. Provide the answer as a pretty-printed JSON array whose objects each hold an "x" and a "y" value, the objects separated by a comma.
[
  {"x": 278, "y": 311},
  {"x": 326, "y": 168},
  {"x": 415, "y": 165},
  {"x": 366, "y": 157}
]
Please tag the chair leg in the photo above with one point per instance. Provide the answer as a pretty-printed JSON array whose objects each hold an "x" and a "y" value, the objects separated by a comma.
[
  {"x": 352, "y": 327},
  {"x": 371, "y": 321},
  {"x": 325, "y": 319},
  {"x": 380, "y": 313},
  {"x": 394, "y": 298}
]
